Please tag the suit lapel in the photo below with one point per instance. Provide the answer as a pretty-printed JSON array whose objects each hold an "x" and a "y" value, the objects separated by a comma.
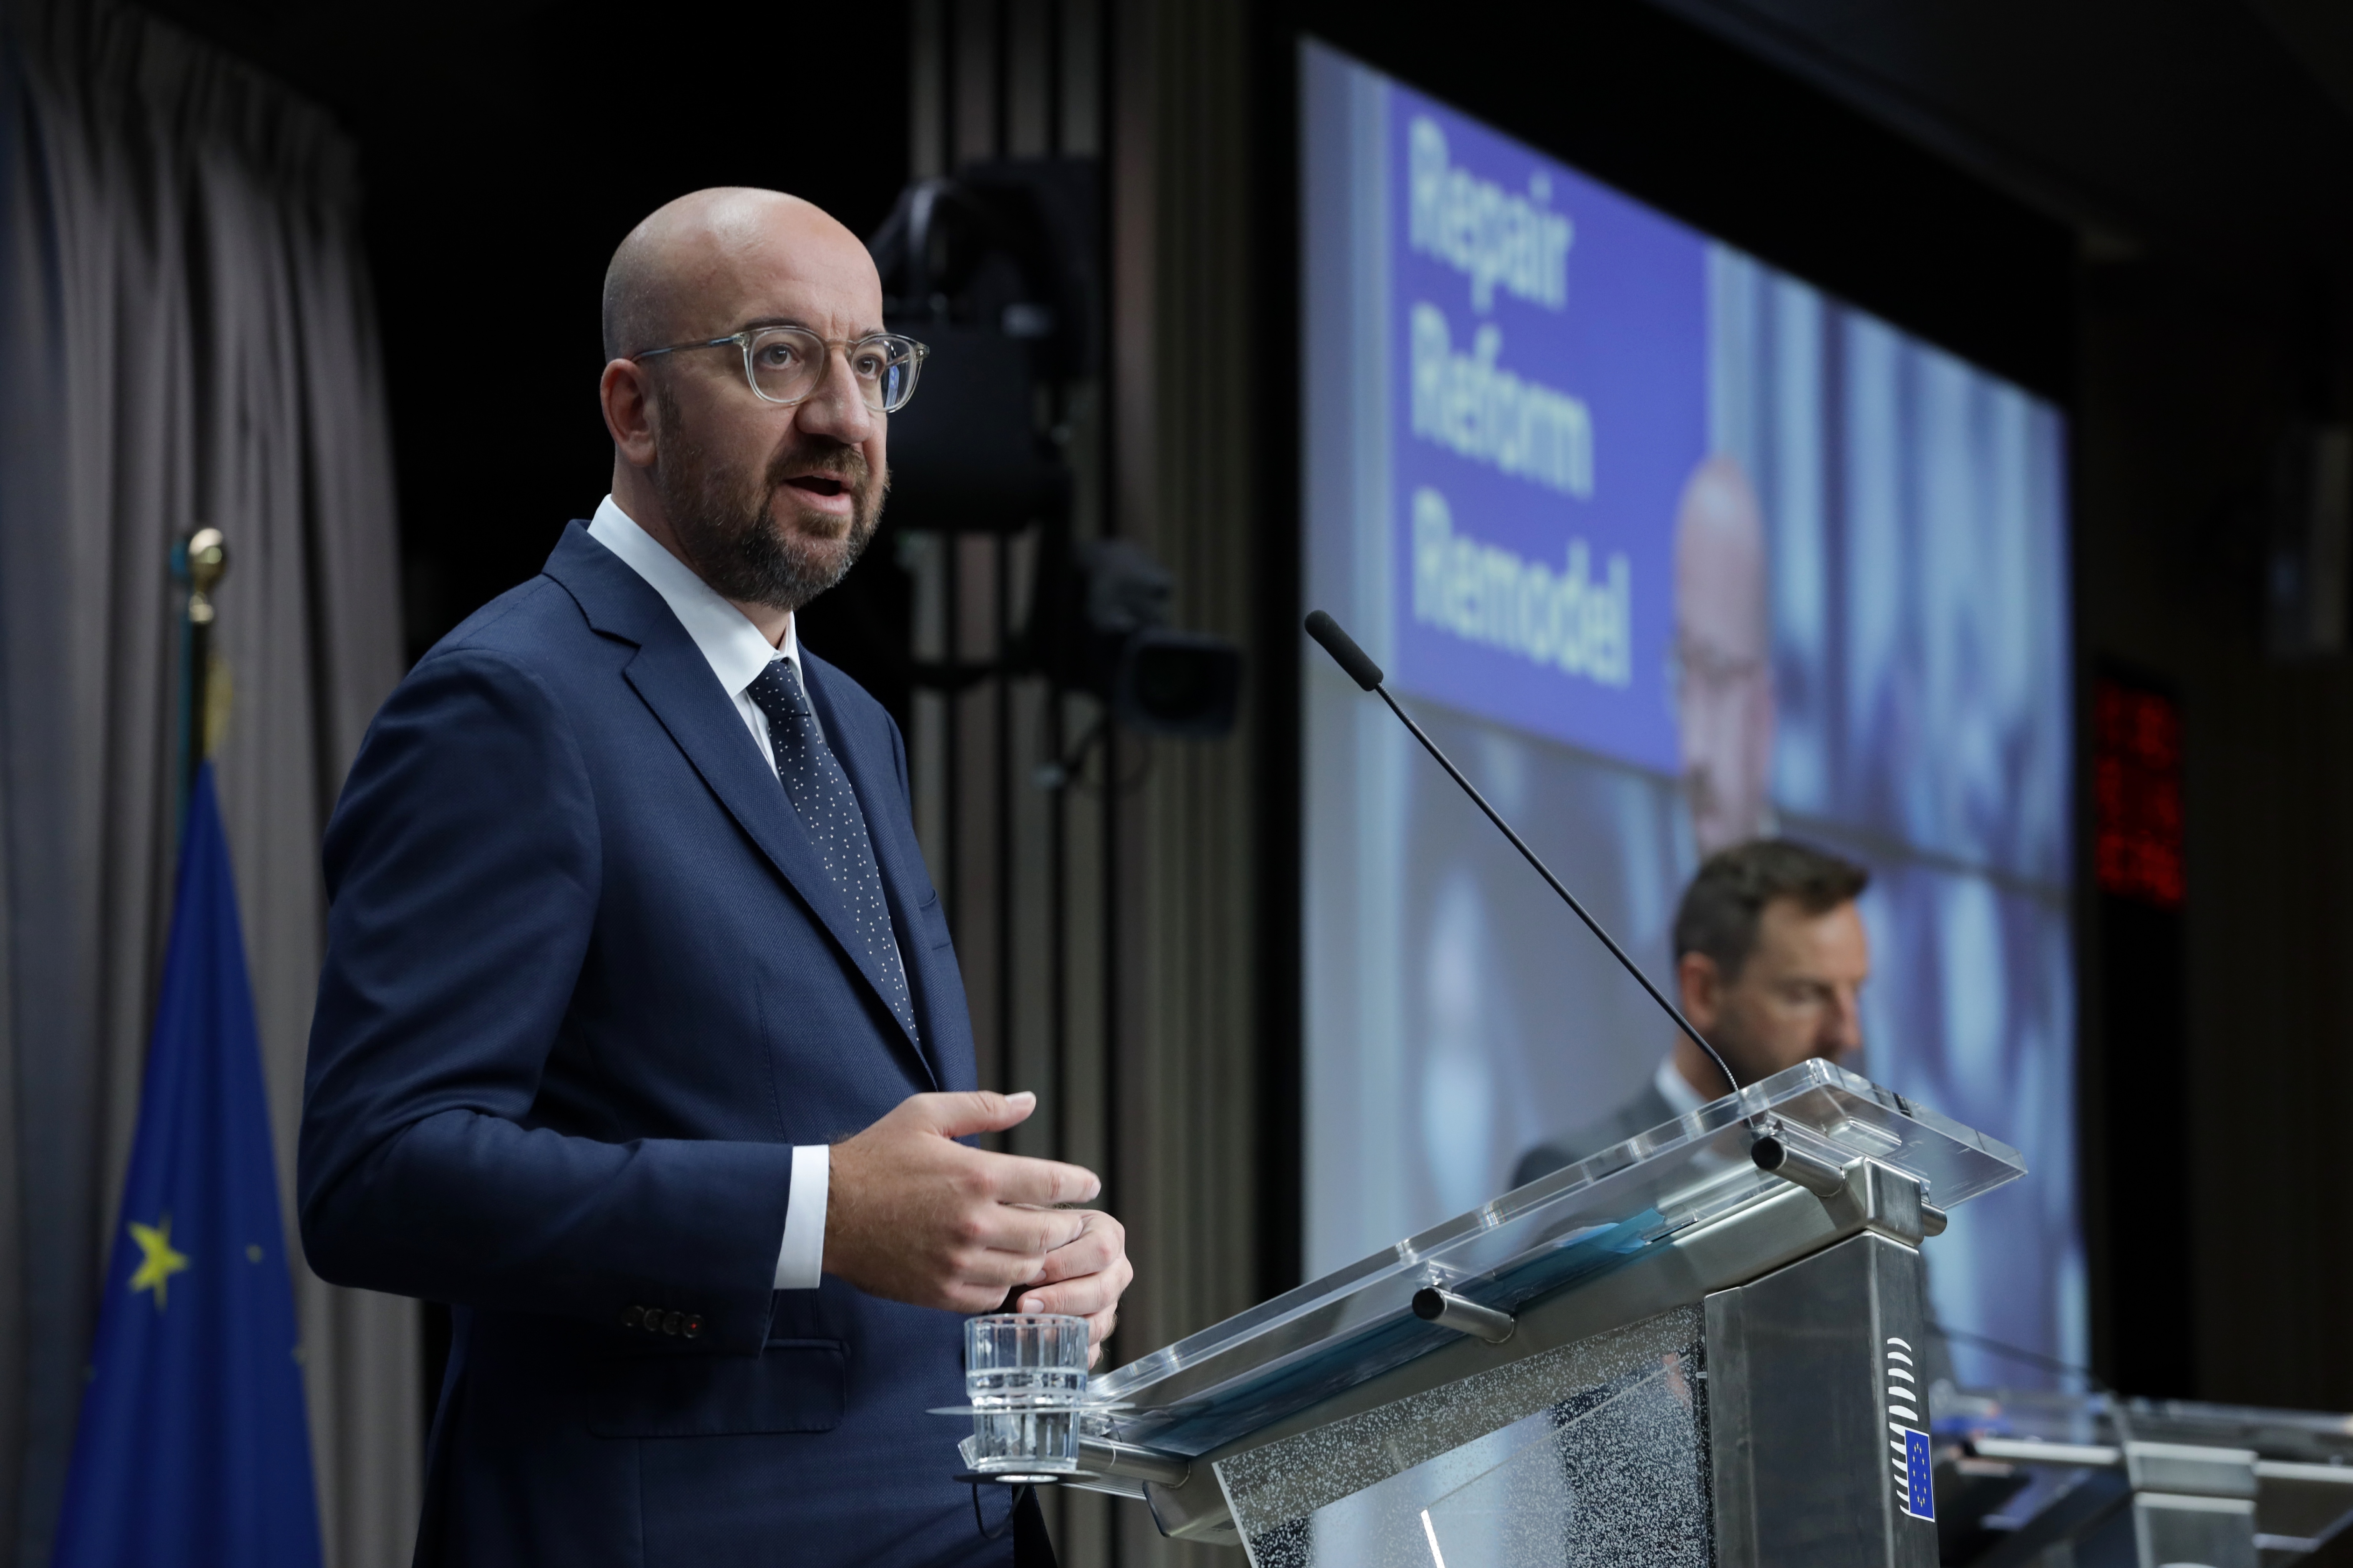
[
  {"x": 866, "y": 758},
  {"x": 669, "y": 673}
]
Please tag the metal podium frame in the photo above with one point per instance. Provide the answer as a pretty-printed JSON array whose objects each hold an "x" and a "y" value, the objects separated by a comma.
[
  {"x": 1789, "y": 1217},
  {"x": 2035, "y": 1475}
]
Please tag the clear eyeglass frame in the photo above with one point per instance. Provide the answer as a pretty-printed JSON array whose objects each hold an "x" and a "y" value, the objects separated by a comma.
[
  {"x": 892, "y": 363},
  {"x": 1707, "y": 667}
]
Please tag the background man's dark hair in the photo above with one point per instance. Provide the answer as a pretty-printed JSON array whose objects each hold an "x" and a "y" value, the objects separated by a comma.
[{"x": 1721, "y": 907}]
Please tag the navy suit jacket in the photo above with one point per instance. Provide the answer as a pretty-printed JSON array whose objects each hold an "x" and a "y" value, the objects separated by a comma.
[{"x": 587, "y": 985}]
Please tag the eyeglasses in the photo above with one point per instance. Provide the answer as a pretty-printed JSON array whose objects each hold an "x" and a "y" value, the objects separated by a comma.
[
  {"x": 785, "y": 364},
  {"x": 1709, "y": 668}
]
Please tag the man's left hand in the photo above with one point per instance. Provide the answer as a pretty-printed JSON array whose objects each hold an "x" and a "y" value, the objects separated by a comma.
[{"x": 1085, "y": 1277}]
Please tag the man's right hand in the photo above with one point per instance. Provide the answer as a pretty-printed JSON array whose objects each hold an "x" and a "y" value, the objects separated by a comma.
[{"x": 912, "y": 1215}]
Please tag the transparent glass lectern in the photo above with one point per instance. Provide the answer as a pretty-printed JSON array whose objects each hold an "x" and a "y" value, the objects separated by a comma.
[{"x": 1701, "y": 1346}]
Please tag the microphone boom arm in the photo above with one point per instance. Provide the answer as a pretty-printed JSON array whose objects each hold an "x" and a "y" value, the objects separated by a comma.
[{"x": 1367, "y": 674}]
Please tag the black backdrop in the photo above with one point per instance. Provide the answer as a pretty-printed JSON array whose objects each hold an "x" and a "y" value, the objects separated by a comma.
[{"x": 489, "y": 227}]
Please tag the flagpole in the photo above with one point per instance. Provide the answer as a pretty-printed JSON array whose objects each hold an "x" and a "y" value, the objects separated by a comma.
[
  {"x": 198, "y": 560},
  {"x": 193, "y": 1442}
]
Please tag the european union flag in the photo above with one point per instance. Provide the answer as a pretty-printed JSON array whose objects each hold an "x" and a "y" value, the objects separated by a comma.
[{"x": 194, "y": 1446}]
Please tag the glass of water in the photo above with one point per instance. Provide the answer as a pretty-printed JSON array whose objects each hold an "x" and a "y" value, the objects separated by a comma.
[{"x": 1026, "y": 1376}]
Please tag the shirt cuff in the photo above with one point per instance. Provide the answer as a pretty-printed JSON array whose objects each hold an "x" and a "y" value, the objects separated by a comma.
[{"x": 800, "y": 1262}]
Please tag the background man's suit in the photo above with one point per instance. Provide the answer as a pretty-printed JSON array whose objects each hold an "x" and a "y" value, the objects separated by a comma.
[
  {"x": 1647, "y": 1109},
  {"x": 586, "y": 986}
]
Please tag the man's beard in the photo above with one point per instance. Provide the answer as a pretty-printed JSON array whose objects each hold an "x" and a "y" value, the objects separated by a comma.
[{"x": 720, "y": 517}]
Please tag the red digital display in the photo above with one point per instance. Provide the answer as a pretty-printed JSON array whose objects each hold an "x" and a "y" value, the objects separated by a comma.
[{"x": 2136, "y": 792}]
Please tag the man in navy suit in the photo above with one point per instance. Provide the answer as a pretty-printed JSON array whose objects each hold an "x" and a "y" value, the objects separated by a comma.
[{"x": 640, "y": 1040}]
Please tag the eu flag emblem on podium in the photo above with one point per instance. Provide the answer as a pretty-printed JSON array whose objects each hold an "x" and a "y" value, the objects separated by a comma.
[{"x": 194, "y": 1447}]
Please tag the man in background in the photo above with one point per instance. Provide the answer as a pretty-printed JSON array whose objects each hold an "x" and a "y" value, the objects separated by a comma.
[
  {"x": 1724, "y": 649},
  {"x": 1770, "y": 961}
]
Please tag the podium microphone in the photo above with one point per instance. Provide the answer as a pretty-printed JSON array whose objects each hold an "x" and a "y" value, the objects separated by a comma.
[{"x": 1367, "y": 674}]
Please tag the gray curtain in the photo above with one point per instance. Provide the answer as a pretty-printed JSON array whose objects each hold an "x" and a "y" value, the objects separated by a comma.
[{"x": 186, "y": 338}]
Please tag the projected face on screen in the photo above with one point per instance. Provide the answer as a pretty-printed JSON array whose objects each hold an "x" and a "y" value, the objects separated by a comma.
[
  {"x": 1670, "y": 550},
  {"x": 1723, "y": 654}
]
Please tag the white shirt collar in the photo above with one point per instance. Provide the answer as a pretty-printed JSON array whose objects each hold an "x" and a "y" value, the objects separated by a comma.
[
  {"x": 731, "y": 644},
  {"x": 1680, "y": 1096}
]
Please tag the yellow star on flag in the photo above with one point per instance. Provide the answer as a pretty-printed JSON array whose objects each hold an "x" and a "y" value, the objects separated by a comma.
[{"x": 157, "y": 1261}]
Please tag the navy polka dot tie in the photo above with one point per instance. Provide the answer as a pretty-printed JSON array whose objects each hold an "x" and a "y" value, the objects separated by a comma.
[{"x": 820, "y": 792}]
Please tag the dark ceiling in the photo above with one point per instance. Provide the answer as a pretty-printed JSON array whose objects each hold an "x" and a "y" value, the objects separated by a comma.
[
  {"x": 2218, "y": 130},
  {"x": 395, "y": 69},
  {"x": 2224, "y": 126}
]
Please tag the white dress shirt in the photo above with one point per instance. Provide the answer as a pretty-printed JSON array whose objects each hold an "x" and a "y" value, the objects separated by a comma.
[
  {"x": 737, "y": 653},
  {"x": 1683, "y": 1100},
  {"x": 1677, "y": 1090}
]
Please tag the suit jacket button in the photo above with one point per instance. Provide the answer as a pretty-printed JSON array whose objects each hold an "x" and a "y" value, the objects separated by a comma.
[
  {"x": 693, "y": 1328},
  {"x": 671, "y": 1323},
  {"x": 632, "y": 1316}
]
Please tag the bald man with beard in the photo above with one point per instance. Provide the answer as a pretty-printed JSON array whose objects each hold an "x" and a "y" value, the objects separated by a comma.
[{"x": 641, "y": 1039}]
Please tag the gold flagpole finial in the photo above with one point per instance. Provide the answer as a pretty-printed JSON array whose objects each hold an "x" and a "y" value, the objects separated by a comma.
[
  {"x": 207, "y": 561},
  {"x": 200, "y": 560}
]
